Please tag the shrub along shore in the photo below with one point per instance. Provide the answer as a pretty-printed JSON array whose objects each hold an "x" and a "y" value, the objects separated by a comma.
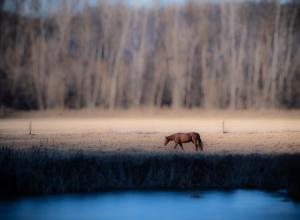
[{"x": 44, "y": 171}]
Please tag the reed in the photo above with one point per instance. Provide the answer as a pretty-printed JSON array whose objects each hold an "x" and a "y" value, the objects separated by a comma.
[{"x": 43, "y": 171}]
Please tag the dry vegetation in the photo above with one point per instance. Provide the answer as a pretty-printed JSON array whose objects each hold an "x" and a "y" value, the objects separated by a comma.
[
  {"x": 245, "y": 132},
  {"x": 263, "y": 142},
  {"x": 275, "y": 142},
  {"x": 41, "y": 171}
]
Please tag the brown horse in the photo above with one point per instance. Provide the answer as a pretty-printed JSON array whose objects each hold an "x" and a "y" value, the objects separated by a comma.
[{"x": 180, "y": 138}]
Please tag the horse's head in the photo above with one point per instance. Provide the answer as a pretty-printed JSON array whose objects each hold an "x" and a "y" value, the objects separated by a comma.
[{"x": 166, "y": 140}]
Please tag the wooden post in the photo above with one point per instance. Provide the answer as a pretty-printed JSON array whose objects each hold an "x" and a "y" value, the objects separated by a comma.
[
  {"x": 30, "y": 128},
  {"x": 223, "y": 127}
]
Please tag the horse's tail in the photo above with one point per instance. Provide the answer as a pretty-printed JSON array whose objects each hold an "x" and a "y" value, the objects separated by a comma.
[{"x": 199, "y": 142}]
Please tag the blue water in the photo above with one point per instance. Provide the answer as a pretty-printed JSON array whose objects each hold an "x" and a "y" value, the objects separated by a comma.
[{"x": 141, "y": 205}]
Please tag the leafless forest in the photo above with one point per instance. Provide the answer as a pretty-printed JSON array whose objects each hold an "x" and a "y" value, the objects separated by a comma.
[{"x": 72, "y": 54}]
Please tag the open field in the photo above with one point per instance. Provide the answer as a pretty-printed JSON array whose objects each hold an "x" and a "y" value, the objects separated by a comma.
[
  {"x": 70, "y": 153},
  {"x": 265, "y": 142},
  {"x": 245, "y": 132}
]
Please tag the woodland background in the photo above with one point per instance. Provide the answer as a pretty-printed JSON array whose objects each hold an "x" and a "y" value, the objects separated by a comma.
[{"x": 74, "y": 54}]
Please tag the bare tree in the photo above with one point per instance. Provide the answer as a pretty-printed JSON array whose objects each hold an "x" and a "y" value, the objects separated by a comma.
[{"x": 73, "y": 54}]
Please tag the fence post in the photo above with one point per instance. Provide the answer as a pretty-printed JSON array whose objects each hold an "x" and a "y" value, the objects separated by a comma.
[{"x": 30, "y": 128}]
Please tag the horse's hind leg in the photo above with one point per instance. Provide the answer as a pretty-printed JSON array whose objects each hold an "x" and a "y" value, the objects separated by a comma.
[
  {"x": 196, "y": 146},
  {"x": 195, "y": 143},
  {"x": 200, "y": 143},
  {"x": 181, "y": 146}
]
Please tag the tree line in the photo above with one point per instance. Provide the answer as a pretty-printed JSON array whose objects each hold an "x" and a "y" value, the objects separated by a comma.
[{"x": 71, "y": 54}]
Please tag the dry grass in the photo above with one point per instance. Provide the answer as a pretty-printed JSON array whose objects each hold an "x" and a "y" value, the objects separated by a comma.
[
  {"x": 246, "y": 131},
  {"x": 266, "y": 142}
]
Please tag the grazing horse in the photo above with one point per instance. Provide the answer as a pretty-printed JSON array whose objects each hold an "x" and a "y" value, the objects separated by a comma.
[{"x": 180, "y": 138}]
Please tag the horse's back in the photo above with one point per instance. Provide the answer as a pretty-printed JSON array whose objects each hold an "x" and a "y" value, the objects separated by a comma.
[
  {"x": 194, "y": 134},
  {"x": 185, "y": 137}
]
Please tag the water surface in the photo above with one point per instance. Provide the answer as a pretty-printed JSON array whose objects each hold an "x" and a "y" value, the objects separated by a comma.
[{"x": 237, "y": 204}]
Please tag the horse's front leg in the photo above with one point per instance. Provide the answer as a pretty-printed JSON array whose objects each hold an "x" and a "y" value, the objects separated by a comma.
[{"x": 175, "y": 145}]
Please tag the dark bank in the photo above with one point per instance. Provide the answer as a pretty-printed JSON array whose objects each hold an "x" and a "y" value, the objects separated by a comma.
[{"x": 43, "y": 171}]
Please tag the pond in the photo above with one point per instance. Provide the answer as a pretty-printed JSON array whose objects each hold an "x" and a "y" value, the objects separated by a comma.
[{"x": 143, "y": 205}]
